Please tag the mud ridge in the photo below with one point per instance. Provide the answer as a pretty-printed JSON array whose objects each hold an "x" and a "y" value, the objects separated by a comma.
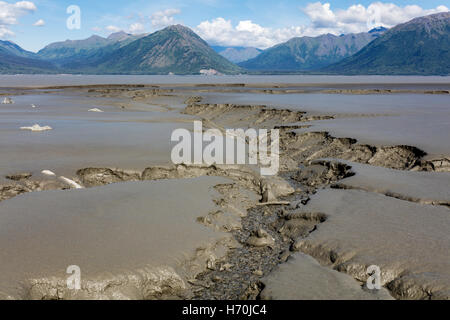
[
  {"x": 247, "y": 115},
  {"x": 298, "y": 148},
  {"x": 395, "y": 195}
]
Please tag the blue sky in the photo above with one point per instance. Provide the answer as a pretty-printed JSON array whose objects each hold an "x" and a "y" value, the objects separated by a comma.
[{"x": 260, "y": 23}]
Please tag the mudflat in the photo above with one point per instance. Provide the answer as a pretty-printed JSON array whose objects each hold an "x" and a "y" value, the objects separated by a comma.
[
  {"x": 99, "y": 191},
  {"x": 114, "y": 233}
]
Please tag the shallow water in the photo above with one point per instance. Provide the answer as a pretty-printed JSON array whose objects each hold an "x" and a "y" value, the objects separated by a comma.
[
  {"x": 118, "y": 138},
  {"x": 10, "y": 81}
]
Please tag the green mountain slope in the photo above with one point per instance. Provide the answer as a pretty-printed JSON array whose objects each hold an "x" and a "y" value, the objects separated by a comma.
[
  {"x": 309, "y": 53},
  {"x": 13, "y": 64},
  {"x": 71, "y": 51},
  {"x": 13, "y": 49},
  {"x": 420, "y": 46},
  {"x": 237, "y": 54},
  {"x": 174, "y": 49}
]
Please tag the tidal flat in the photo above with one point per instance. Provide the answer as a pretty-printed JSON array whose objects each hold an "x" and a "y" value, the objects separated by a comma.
[{"x": 363, "y": 180}]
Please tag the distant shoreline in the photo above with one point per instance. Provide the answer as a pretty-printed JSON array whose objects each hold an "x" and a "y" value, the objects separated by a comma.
[{"x": 34, "y": 81}]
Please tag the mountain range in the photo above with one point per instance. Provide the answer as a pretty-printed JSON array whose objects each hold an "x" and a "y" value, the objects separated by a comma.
[
  {"x": 14, "y": 59},
  {"x": 237, "y": 54},
  {"x": 420, "y": 46},
  {"x": 174, "y": 49},
  {"x": 311, "y": 53},
  {"x": 66, "y": 51}
]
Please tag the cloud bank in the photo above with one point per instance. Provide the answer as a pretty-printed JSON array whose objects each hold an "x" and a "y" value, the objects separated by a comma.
[
  {"x": 164, "y": 18},
  {"x": 323, "y": 19},
  {"x": 157, "y": 20},
  {"x": 358, "y": 18},
  {"x": 10, "y": 13},
  {"x": 39, "y": 23}
]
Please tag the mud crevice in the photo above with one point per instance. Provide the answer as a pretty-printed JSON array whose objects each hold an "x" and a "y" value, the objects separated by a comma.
[
  {"x": 399, "y": 196},
  {"x": 266, "y": 238}
]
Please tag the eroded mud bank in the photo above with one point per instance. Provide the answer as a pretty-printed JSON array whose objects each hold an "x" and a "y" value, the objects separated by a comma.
[{"x": 299, "y": 148}]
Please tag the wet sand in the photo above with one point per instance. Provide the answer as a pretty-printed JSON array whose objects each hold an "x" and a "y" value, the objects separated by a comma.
[{"x": 348, "y": 198}]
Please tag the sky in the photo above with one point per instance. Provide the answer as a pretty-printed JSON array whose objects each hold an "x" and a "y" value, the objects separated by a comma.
[{"x": 256, "y": 23}]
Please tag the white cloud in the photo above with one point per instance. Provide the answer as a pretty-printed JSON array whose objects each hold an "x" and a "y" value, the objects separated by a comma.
[
  {"x": 164, "y": 18},
  {"x": 245, "y": 33},
  {"x": 5, "y": 32},
  {"x": 39, "y": 23},
  {"x": 323, "y": 19},
  {"x": 134, "y": 28},
  {"x": 358, "y": 18},
  {"x": 159, "y": 19},
  {"x": 10, "y": 13},
  {"x": 112, "y": 28},
  {"x": 137, "y": 28}
]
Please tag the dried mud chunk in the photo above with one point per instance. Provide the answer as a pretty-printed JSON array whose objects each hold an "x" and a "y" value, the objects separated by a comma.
[
  {"x": 101, "y": 176},
  {"x": 398, "y": 157},
  {"x": 261, "y": 238},
  {"x": 19, "y": 176},
  {"x": 192, "y": 100},
  {"x": 323, "y": 172},
  {"x": 158, "y": 173},
  {"x": 274, "y": 187},
  {"x": 11, "y": 191},
  {"x": 439, "y": 165},
  {"x": 359, "y": 153}
]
